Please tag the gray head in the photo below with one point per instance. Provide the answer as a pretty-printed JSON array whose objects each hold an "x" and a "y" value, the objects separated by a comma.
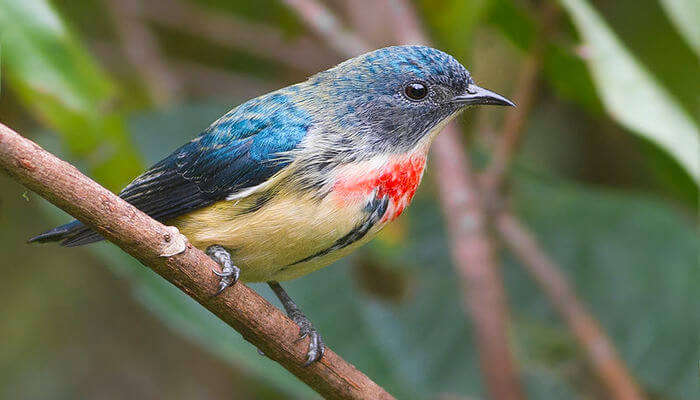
[{"x": 395, "y": 96}]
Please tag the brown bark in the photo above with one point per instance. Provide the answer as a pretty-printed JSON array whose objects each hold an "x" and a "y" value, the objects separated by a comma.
[{"x": 191, "y": 271}]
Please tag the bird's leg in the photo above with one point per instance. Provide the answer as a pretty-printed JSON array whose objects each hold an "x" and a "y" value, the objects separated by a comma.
[
  {"x": 229, "y": 273},
  {"x": 306, "y": 328}
]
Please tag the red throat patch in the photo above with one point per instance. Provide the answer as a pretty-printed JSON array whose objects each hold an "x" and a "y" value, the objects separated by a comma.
[{"x": 397, "y": 179}]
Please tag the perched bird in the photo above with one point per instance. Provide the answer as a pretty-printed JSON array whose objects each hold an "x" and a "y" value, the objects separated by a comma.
[{"x": 293, "y": 180}]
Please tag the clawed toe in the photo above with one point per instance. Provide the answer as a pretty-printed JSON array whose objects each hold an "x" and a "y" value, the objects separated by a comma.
[
  {"x": 316, "y": 345},
  {"x": 227, "y": 279},
  {"x": 221, "y": 274},
  {"x": 306, "y": 329},
  {"x": 229, "y": 273}
]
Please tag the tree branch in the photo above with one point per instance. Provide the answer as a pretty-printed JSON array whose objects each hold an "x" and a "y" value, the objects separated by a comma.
[
  {"x": 598, "y": 347},
  {"x": 465, "y": 211},
  {"x": 479, "y": 272},
  {"x": 253, "y": 317},
  {"x": 196, "y": 79}
]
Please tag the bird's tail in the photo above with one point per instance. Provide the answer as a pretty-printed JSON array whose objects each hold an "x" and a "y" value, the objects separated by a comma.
[{"x": 71, "y": 234}]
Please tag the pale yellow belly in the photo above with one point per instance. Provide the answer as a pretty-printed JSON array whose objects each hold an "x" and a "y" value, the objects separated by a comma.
[{"x": 267, "y": 244}]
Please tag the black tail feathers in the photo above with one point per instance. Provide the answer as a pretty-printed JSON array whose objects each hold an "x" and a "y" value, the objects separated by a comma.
[{"x": 70, "y": 235}]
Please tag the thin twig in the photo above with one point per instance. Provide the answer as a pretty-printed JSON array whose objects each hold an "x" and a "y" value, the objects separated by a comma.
[
  {"x": 515, "y": 119},
  {"x": 328, "y": 27},
  {"x": 141, "y": 49},
  {"x": 147, "y": 240},
  {"x": 598, "y": 347},
  {"x": 368, "y": 19},
  {"x": 302, "y": 53},
  {"x": 472, "y": 250},
  {"x": 511, "y": 132}
]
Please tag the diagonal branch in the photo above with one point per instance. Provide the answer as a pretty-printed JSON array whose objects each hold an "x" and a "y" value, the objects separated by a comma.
[
  {"x": 597, "y": 345},
  {"x": 253, "y": 317}
]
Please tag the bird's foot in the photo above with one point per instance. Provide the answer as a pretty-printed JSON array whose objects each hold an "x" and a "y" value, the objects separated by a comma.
[
  {"x": 229, "y": 273},
  {"x": 306, "y": 328},
  {"x": 316, "y": 345}
]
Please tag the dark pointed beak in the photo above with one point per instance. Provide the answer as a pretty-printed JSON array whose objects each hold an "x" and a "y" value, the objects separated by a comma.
[{"x": 475, "y": 95}]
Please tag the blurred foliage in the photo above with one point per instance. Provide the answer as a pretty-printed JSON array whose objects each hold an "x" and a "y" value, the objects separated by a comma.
[
  {"x": 630, "y": 93},
  {"x": 453, "y": 22},
  {"x": 52, "y": 74},
  {"x": 615, "y": 210}
]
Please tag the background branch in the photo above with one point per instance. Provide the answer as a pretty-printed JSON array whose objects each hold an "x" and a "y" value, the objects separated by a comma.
[
  {"x": 253, "y": 317},
  {"x": 195, "y": 78},
  {"x": 328, "y": 27},
  {"x": 302, "y": 52},
  {"x": 141, "y": 49},
  {"x": 525, "y": 92},
  {"x": 597, "y": 345}
]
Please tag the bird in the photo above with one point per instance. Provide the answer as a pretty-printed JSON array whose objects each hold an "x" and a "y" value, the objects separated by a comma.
[{"x": 293, "y": 180}]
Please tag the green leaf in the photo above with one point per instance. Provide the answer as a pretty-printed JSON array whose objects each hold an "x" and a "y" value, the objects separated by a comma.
[
  {"x": 630, "y": 93},
  {"x": 57, "y": 79},
  {"x": 685, "y": 15}
]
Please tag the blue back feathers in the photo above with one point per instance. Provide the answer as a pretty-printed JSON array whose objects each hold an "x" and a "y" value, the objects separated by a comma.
[
  {"x": 272, "y": 123},
  {"x": 240, "y": 150}
]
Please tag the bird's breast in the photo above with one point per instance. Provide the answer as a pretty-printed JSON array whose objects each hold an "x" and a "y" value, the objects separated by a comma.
[{"x": 396, "y": 177}]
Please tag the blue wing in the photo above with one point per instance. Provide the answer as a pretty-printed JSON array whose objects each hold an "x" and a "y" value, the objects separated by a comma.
[{"x": 239, "y": 151}]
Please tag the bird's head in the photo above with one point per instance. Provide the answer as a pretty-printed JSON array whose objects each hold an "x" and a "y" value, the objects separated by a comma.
[{"x": 395, "y": 96}]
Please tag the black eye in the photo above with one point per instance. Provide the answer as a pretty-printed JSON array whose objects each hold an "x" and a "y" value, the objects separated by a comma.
[{"x": 416, "y": 91}]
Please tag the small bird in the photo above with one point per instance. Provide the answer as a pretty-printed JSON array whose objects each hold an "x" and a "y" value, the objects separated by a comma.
[{"x": 293, "y": 180}]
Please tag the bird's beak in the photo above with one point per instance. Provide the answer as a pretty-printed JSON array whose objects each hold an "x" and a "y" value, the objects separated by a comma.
[{"x": 477, "y": 95}]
